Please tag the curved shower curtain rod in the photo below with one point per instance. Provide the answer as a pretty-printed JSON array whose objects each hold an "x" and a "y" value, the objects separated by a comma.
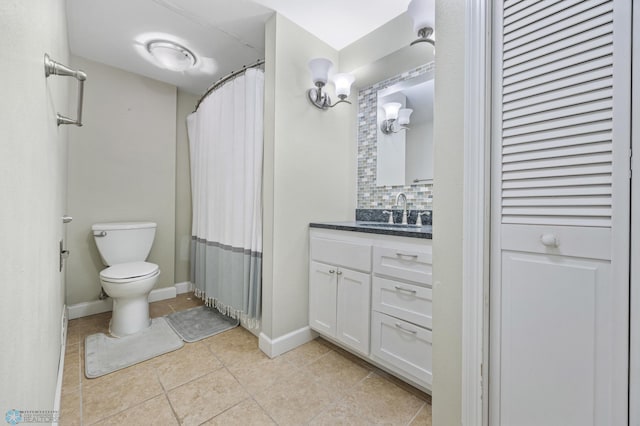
[{"x": 226, "y": 78}]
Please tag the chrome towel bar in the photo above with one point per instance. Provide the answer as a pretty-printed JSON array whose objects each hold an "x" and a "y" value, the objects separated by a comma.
[{"x": 52, "y": 67}]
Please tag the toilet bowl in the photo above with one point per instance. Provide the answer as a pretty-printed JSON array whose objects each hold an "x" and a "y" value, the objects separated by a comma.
[
  {"x": 128, "y": 280},
  {"x": 129, "y": 284}
]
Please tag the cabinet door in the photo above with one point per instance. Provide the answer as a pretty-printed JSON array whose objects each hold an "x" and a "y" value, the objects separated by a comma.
[
  {"x": 322, "y": 298},
  {"x": 406, "y": 301},
  {"x": 354, "y": 308},
  {"x": 404, "y": 346},
  {"x": 560, "y": 222}
]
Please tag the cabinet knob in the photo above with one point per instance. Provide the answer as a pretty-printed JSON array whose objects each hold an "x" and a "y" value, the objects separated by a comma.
[
  {"x": 549, "y": 240},
  {"x": 331, "y": 271},
  {"x": 339, "y": 273}
]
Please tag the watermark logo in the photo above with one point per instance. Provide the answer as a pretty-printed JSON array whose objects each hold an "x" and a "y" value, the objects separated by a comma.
[{"x": 13, "y": 417}]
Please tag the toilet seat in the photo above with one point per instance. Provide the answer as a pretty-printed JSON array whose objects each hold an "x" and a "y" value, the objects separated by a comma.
[{"x": 127, "y": 272}]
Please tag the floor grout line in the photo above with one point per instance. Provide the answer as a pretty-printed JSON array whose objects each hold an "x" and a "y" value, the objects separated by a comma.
[{"x": 422, "y": 407}]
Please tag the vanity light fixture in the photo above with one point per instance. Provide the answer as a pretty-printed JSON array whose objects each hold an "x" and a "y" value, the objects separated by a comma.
[
  {"x": 320, "y": 68},
  {"x": 172, "y": 56},
  {"x": 423, "y": 14},
  {"x": 396, "y": 118}
]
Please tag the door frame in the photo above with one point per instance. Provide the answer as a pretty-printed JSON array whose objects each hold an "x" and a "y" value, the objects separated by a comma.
[
  {"x": 476, "y": 216},
  {"x": 634, "y": 314}
]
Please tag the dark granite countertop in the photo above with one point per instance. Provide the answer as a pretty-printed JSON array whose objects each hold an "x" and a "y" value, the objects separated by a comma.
[{"x": 378, "y": 228}]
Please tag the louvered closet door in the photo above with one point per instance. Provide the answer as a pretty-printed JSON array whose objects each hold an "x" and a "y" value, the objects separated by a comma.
[{"x": 560, "y": 213}]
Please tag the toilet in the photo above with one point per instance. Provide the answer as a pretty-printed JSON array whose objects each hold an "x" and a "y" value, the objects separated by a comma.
[{"x": 124, "y": 247}]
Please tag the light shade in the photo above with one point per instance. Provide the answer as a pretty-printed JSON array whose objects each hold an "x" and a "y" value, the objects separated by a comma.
[
  {"x": 320, "y": 70},
  {"x": 171, "y": 55},
  {"x": 343, "y": 82},
  {"x": 391, "y": 110},
  {"x": 403, "y": 116},
  {"x": 423, "y": 14}
]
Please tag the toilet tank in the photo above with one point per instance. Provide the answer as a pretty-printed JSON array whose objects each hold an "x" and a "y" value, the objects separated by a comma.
[{"x": 122, "y": 242}]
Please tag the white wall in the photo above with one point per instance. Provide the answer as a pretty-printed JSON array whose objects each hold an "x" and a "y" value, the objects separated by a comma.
[
  {"x": 122, "y": 167},
  {"x": 186, "y": 105},
  {"x": 32, "y": 182},
  {"x": 309, "y": 172},
  {"x": 447, "y": 213}
]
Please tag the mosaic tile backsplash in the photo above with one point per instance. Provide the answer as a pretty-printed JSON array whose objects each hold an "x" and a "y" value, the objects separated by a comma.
[{"x": 371, "y": 196}]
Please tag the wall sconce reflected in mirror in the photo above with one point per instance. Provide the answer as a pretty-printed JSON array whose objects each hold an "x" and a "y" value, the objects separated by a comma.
[
  {"x": 396, "y": 118},
  {"x": 423, "y": 14},
  {"x": 320, "y": 68}
]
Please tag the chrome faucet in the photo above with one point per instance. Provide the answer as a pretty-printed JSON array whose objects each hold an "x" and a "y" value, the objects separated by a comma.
[{"x": 404, "y": 212}]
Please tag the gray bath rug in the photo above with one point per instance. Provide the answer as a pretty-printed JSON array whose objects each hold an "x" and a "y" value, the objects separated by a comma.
[
  {"x": 104, "y": 354},
  {"x": 197, "y": 323}
]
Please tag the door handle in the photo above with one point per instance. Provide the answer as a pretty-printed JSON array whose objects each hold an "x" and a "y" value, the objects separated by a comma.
[{"x": 64, "y": 253}]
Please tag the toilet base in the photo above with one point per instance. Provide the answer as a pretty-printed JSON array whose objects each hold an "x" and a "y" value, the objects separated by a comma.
[{"x": 130, "y": 315}]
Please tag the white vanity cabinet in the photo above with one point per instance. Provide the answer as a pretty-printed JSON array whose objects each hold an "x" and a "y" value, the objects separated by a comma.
[
  {"x": 402, "y": 309},
  {"x": 371, "y": 294},
  {"x": 340, "y": 290}
]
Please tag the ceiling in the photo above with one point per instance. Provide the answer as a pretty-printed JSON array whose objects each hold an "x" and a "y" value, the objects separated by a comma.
[{"x": 224, "y": 34}]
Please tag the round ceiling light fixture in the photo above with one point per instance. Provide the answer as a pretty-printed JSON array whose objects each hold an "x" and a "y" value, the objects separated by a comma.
[{"x": 171, "y": 55}]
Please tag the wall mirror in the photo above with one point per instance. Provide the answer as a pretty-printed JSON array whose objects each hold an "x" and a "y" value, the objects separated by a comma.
[{"x": 405, "y": 132}]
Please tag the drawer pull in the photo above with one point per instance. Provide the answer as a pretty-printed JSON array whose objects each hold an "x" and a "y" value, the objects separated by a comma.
[
  {"x": 399, "y": 326},
  {"x": 413, "y": 256},
  {"x": 408, "y": 290}
]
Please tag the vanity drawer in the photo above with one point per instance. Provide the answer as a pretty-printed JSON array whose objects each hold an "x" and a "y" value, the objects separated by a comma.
[
  {"x": 406, "y": 301},
  {"x": 350, "y": 254},
  {"x": 404, "y": 346},
  {"x": 413, "y": 264}
]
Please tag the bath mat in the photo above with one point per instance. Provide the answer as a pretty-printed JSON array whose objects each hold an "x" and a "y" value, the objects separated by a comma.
[
  {"x": 198, "y": 323},
  {"x": 104, "y": 354}
]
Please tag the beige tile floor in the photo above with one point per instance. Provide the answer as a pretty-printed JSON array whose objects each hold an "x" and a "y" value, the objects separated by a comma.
[{"x": 227, "y": 380}]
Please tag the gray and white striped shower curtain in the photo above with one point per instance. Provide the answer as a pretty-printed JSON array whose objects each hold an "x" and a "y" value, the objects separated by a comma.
[{"x": 226, "y": 145}]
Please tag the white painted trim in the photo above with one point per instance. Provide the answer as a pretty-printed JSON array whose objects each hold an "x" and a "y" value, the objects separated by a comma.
[
  {"x": 495, "y": 264},
  {"x": 621, "y": 208},
  {"x": 85, "y": 309},
  {"x": 282, "y": 344},
  {"x": 63, "y": 349},
  {"x": 475, "y": 194},
  {"x": 634, "y": 349},
  {"x": 184, "y": 287},
  {"x": 162, "y": 294}
]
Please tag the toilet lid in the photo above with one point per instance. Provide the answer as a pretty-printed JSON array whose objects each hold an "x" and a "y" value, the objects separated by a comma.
[{"x": 129, "y": 270}]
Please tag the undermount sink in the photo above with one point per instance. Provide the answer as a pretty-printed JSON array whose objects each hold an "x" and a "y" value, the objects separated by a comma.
[{"x": 389, "y": 225}]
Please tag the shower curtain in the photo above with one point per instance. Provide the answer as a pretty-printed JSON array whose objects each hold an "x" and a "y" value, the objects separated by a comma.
[{"x": 226, "y": 143}]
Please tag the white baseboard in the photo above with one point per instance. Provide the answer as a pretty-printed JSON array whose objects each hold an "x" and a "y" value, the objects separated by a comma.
[
  {"x": 162, "y": 294},
  {"x": 85, "y": 309},
  {"x": 282, "y": 344},
  {"x": 184, "y": 287},
  {"x": 63, "y": 348}
]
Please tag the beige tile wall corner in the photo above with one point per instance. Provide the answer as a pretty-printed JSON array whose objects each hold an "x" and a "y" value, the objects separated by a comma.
[
  {"x": 447, "y": 216},
  {"x": 122, "y": 167},
  {"x": 186, "y": 105}
]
